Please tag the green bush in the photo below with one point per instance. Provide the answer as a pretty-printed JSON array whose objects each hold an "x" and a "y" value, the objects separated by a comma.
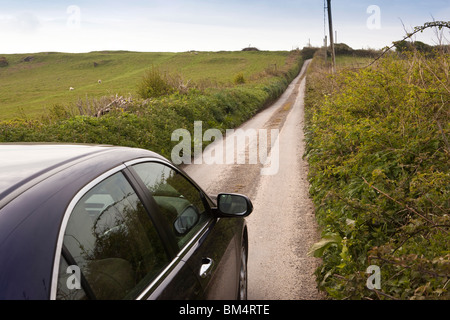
[
  {"x": 155, "y": 83},
  {"x": 239, "y": 78},
  {"x": 379, "y": 161}
]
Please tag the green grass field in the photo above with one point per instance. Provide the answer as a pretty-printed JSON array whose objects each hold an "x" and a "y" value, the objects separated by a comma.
[{"x": 28, "y": 88}]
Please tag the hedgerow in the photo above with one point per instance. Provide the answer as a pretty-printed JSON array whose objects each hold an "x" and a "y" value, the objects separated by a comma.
[{"x": 378, "y": 151}]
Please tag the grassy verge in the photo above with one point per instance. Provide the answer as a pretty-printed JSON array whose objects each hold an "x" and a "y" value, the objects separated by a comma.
[
  {"x": 377, "y": 145},
  {"x": 211, "y": 97}
]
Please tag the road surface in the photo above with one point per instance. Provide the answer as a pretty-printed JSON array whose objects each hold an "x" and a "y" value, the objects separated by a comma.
[{"x": 282, "y": 226}]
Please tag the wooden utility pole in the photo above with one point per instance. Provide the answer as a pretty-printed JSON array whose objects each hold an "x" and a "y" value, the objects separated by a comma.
[{"x": 330, "y": 23}]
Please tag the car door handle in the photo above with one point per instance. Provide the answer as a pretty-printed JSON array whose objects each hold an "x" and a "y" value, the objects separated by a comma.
[{"x": 206, "y": 268}]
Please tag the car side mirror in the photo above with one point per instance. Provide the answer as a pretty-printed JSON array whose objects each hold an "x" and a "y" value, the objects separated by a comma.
[{"x": 233, "y": 205}]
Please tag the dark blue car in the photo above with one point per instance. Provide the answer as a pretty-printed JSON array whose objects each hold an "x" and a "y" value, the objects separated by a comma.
[{"x": 100, "y": 222}]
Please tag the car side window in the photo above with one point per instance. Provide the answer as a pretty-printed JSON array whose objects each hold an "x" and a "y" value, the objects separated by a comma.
[
  {"x": 113, "y": 242},
  {"x": 69, "y": 284},
  {"x": 178, "y": 200}
]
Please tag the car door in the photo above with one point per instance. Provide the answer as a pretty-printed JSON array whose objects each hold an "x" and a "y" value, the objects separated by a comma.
[
  {"x": 111, "y": 248},
  {"x": 207, "y": 244},
  {"x": 216, "y": 261}
]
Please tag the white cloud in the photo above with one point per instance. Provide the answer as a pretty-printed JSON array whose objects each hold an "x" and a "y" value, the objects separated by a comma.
[{"x": 24, "y": 22}]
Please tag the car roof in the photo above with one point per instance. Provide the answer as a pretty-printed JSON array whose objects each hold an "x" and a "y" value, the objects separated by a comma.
[{"x": 21, "y": 164}]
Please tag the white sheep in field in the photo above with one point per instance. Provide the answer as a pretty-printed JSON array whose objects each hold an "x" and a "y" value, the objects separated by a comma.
[
  {"x": 71, "y": 89},
  {"x": 99, "y": 81}
]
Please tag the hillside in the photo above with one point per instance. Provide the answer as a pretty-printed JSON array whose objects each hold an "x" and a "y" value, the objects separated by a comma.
[
  {"x": 31, "y": 83},
  {"x": 221, "y": 89}
]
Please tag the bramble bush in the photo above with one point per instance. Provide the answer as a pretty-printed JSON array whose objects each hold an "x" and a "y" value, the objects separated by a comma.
[{"x": 378, "y": 150}]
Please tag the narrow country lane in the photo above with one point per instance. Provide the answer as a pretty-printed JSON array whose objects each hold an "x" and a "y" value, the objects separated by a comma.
[{"x": 282, "y": 227}]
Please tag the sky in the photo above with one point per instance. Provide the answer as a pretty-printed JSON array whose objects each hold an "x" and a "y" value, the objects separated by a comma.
[{"x": 29, "y": 26}]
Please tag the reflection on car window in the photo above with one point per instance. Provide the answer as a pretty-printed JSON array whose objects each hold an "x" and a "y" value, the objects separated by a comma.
[
  {"x": 113, "y": 241},
  {"x": 178, "y": 200},
  {"x": 66, "y": 284}
]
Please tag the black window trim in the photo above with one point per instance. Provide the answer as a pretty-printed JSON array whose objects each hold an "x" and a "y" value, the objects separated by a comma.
[
  {"x": 148, "y": 292},
  {"x": 153, "y": 212},
  {"x": 84, "y": 284}
]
